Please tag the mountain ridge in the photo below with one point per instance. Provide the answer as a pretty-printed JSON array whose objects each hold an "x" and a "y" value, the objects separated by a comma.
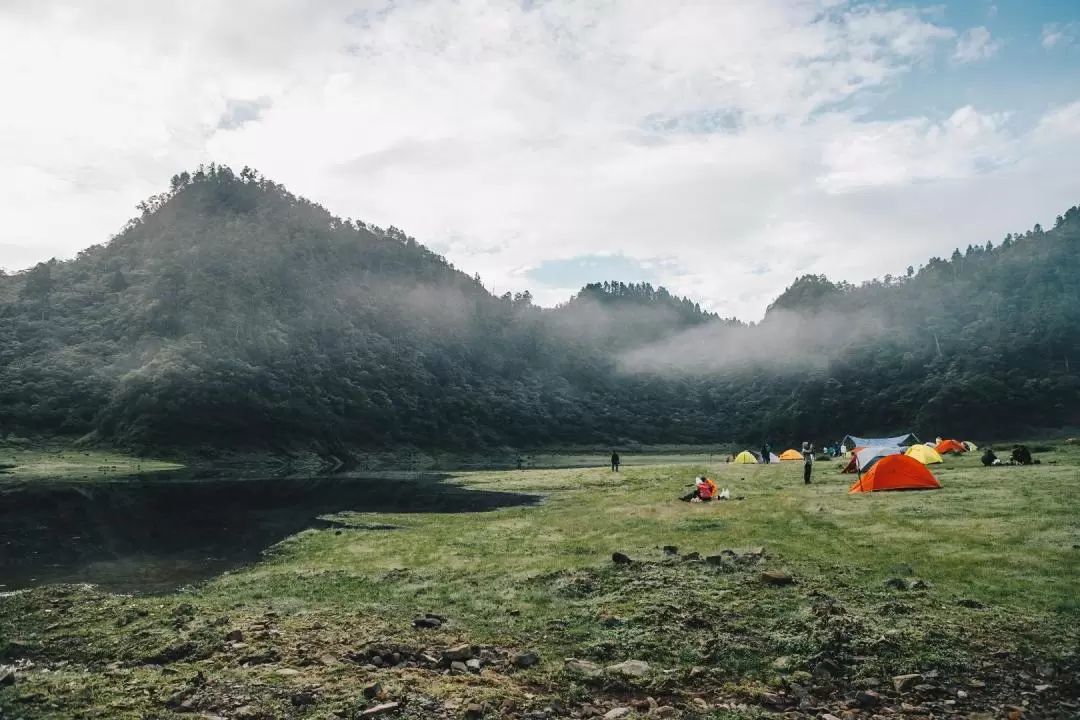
[{"x": 231, "y": 313}]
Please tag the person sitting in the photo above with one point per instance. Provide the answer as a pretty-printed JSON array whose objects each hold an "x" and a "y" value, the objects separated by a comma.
[
  {"x": 1021, "y": 455},
  {"x": 704, "y": 491},
  {"x": 988, "y": 457}
]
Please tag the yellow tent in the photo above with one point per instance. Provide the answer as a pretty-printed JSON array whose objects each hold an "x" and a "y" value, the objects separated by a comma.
[
  {"x": 791, "y": 455},
  {"x": 745, "y": 458},
  {"x": 925, "y": 455},
  {"x": 971, "y": 447}
]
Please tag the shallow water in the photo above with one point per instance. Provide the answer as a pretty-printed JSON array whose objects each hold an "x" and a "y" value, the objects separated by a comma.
[{"x": 156, "y": 535}]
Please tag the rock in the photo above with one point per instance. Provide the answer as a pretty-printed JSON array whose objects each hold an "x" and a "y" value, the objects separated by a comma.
[
  {"x": 458, "y": 668},
  {"x": 589, "y": 711},
  {"x": 427, "y": 623},
  {"x": 782, "y": 663},
  {"x": 829, "y": 716},
  {"x": 897, "y": 583},
  {"x": 630, "y": 668},
  {"x": 691, "y": 557},
  {"x": 776, "y": 577},
  {"x": 458, "y": 652},
  {"x": 715, "y": 559},
  {"x": 383, "y": 709},
  {"x": 377, "y": 661},
  {"x": 583, "y": 668},
  {"x": 969, "y": 603},
  {"x": 473, "y": 665},
  {"x": 665, "y": 711},
  {"x": 867, "y": 699},
  {"x": 1041, "y": 688},
  {"x": 620, "y": 558},
  {"x": 921, "y": 585},
  {"x": 962, "y": 694},
  {"x": 700, "y": 703},
  {"x": 303, "y": 699},
  {"x": 373, "y": 691},
  {"x": 903, "y": 683},
  {"x": 617, "y": 713},
  {"x": 288, "y": 672},
  {"x": 474, "y": 711},
  {"x": 525, "y": 659},
  {"x": 671, "y": 549},
  {"x": 246, "y": 712},
  {"x": 7, "y": 677},
  {"x": 235, "y": 636}
]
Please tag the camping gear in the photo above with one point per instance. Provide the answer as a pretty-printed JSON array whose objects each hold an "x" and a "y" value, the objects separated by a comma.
[
  {"x": 925, "y": 455},
  {"x": 850, "y": 441},
  {"x": 970, "y": 446},
  {"x": 950, "y": 446},
  {"x": 773, "y": 458},
  {"x": 745, "y": 458},
  {"x": 790, "y": 455},
  {"x": 868, "y": 457},
  {"x": 895, "y": 472}
]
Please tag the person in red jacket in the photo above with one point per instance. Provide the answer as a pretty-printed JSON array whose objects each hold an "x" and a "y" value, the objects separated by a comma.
[{"x": 704, "y": 490}]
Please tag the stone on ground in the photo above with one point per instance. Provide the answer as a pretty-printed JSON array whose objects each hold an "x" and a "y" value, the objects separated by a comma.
[
  {"x": 583, "y": 668},
  {"x": 776, "y": 577}
]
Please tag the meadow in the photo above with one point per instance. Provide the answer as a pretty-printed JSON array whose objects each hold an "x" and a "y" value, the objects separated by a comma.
[{"x": 792, "y": 599}]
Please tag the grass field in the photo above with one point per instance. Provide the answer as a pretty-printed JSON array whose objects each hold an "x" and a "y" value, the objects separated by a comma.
[
  {"x": 983, "y": 601},
  {"x": 66, "y": 463}
]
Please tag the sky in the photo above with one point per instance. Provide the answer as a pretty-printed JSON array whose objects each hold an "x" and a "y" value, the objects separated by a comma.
[{"x": 720, "y": 148}]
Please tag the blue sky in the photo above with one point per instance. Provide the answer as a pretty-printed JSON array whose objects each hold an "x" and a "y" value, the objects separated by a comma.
[{"x": 719, "y": 149}]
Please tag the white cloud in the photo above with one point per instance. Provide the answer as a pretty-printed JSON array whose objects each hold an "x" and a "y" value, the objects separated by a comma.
[
  {"x": 975, "y": 44},
  {"x": 1059, "y": 34},
  {"x": 710, "y": 136}
]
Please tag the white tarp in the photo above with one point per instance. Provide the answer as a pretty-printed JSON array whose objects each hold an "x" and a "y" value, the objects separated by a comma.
[
  {"x": 866, "y": 457},
  {"x": 851, "y": 442}
]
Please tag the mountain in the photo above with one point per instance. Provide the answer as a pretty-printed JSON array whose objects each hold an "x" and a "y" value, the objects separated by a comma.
[{"x": 233, "y": 314}]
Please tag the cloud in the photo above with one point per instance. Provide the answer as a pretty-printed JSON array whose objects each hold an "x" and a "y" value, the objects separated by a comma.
[
  {"x": 736, "y": 141},
  {"x": 1059, "y": 34},
  {"x": 975, "y": 44}
]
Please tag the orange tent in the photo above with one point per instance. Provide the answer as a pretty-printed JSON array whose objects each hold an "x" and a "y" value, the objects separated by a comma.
[
  {"x": 895, "y": 472},
  {"x": 791, "y": 455},
  {"x": 949, "y": 446}
]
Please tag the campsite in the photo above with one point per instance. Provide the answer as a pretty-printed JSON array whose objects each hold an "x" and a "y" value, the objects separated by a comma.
[{"x": 606, "y": 597}]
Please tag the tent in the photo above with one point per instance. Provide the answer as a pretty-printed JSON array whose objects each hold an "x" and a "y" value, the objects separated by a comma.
[
  {"x": 950, "y": 446},
  {"x": 868, "y": 457},
  {"x": 895, "y": 472},
  {"x": 773, "y": 458},
  {"x": 854, "y": 442},
  {"x": 745, "y": 458},
  {"x": 970, "y": 446},
  {"x": 791, "y": 455},
  {"x": 925, "y": 455}
]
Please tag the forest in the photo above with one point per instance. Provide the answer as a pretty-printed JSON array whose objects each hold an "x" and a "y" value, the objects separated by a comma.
[{"x": 231, "y": 313}]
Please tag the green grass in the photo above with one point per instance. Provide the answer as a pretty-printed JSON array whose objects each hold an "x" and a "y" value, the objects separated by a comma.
[
  {"x": 541, "y": 578},
  {"x": 69, "y": 464}
]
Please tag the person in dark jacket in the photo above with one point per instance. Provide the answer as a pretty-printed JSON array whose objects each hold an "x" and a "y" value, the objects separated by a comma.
[
  {"x": 614, "y": 462},
  {"x": 988, "y": 457},
  {"x": 808, "y": 462},
  {"x": 765, "y": 450}
]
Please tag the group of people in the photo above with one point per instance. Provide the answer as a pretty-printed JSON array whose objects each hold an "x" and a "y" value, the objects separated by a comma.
[{"x": 1020, "y": 455}]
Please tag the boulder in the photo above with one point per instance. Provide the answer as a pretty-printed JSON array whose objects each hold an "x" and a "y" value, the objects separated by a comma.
[
  {"x": 474, "y": 711},
  {"x": 303, "y": 699},
  {"x": 867, "y": 699},
  {"x": 458, "y": 652},
  {"x": 903, "y": 683},
  {"x": 525, "y": 659},
  {"x": 665, "y": 711},
  {"x": 7, "y": 677},
  {"x": 691, "y": 557},
  {"x": 671, "y": 550},
  {"x": 630, "y": 668},
  {"x": 473, "y": 665},
  {"x": 427, "y": 623},
  {"x": 458, "y": 668},
  {"x": 373, "y": 691},
  {"x": 235, "y": 636},
  {"x": 617, "y": 713},
  {"x": 776, "y": 577},
  {"x": 583, "y": 668},
  {"x": 782, "y": 663},
  {"x": 378, "y": 710},
  {"x": 620, "y": 558}
]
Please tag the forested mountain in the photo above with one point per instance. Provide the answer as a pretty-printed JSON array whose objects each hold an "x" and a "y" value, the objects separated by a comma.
[{"x": 231, "y": 313}]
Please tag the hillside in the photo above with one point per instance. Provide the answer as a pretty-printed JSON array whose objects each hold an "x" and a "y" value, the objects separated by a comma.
[{"x": 232, "y": 314}]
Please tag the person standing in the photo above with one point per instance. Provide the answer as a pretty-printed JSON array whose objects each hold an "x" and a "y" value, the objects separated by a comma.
[
  {"x": 614, "y": 462},
  {"x": 808, "y": 462},
  {"x": 765, "y": 450}
]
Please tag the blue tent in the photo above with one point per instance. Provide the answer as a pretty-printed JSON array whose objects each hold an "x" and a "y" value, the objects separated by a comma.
[{"x": 851, "y": 442}]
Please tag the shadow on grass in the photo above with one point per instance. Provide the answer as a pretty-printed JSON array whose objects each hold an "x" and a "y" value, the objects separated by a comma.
[{"x": 159, "y": 534}]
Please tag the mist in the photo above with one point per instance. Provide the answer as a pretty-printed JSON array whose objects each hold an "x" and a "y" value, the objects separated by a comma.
[{"x": 785, "y": 341}]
